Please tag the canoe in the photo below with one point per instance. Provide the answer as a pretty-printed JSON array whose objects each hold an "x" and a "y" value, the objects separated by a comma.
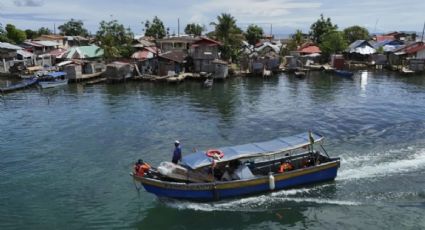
[
  {"x": 20, "y": 85},
  {"x": 344, "y": 73},
  {"x": 53, "y": 79},
  {"x": 299, "y": 74},
  {"x": 243, "y": 170}
]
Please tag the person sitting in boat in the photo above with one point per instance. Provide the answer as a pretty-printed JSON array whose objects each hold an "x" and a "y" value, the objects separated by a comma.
[
  {"x": 229, "y": 173},
  {"x": 285, "y": 166},
  {"x": 141, "y": 168},
  {"x": 177, "y": 154}
]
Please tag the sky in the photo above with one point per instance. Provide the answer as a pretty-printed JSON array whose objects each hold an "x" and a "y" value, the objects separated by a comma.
[{"x": 278, "y": 16}]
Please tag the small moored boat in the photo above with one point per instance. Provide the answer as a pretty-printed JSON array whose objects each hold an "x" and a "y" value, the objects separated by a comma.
[
  {"x": 20, "y": 85},
  {"x": 53, "y": 79},
  {"x": 242, "y": 170},
  {"x": 344, "y": 73}
]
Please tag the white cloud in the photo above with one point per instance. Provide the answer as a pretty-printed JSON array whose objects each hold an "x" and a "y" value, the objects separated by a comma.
[
  {"x": 28, "y": 3},
  {"x": 285, "y": 15}
]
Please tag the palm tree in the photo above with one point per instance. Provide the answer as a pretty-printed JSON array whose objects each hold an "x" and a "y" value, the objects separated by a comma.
[{"x": 229, "y": 34}]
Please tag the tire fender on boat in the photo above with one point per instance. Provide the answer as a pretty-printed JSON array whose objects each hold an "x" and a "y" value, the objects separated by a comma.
[{"x": 271, "y": 182}]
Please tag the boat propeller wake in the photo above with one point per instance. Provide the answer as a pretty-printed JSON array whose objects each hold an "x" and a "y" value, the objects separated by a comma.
[{"x": 381, "y": 165}]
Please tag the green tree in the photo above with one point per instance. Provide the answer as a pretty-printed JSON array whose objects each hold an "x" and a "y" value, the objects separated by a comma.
[
  {"x": 194, "y": 29},
  {"x": 229, "y": 34},
  {"x": 297, "y": 40},
  {"x": 114, "y": 39},
  {"x": 332, "y": 42},
  {"x": 73, "y": 28},
  {"x": 155, "y": 29},
  {"x": 253, "y": 34},
  {"x": 298, "y": 37},
  {"x": 44, "y": 31},
  {"x": 3, "y": 35},
  {"x": 31, "y": 34},
  {"x": 321, "y": 27},
  {"x": 15, "y": 35},
  {"x": 355, "y": 33}
]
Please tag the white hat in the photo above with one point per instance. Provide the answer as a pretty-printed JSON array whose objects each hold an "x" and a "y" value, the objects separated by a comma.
[{"x": 176, "y": 142}]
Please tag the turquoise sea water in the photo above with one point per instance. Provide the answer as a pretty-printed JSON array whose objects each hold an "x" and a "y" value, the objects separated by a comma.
[{"x": 66, "y": 153}]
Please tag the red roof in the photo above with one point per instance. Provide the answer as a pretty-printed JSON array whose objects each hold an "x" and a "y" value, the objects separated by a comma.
[
  {"x": 146, "y": 53},
  {"x": 415, "y": 49},
  {"x": 310, "y": 49},
  {"x": 205, "y": 40},
  {"x": 57, "y": 52},
  {"x": 380, "y": 38}
]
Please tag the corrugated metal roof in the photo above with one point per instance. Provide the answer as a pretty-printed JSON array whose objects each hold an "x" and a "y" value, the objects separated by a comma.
[
  {"x": 25, "y": 54},
  {"x": 311, "y": 49},
  {"x": 5, "y": 45},
  {"x": 82, "y": 52},
  {"x": 361, "y": 47},
  {"x": 380, "y": 38},
  {"x": 415, "y": 49},
  {"x": 144, "y": 54},
  {"x": 47, "y": 43},
  {"x": 176, "y": 56}
]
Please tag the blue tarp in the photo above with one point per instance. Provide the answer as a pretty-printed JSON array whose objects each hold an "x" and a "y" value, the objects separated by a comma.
[
  {"x": 200, "y": 159},
  {"x": 56, "y": 74}
]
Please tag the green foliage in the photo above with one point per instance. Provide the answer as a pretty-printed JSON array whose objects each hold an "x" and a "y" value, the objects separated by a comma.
[
  {"x": 194, "y": 29},
  {"x": 253, "y": 34},
  {"x": 155, "y": 29},
  {"x": 321, "y": 27},
  {"x": 229, "y": 34},
  {"x": 114, "y": 39},
  {"x": 44, "y": 31},
  {"x": 298, "y": 38},
  {"x": 73, "y": 28},
  {"x": 380, "y": 50},
  {"x": 31, "y": 34},
  {"x": 296, "y": 41},
  {"x": 3, "y": 35},
  {"x": 332, "y": 42},
  {"x": 15, "y": 35},
  {"x": 355, "y": 33}
]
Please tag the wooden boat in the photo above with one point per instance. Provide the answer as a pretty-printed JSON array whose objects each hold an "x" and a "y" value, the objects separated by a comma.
[
  {"x": 242, "y": 170},
  {"x": 20, "y": 85},
  {"x": 208, "y": 83},
  {"x": 299, "y": 74},
  {"x": 176, "y": 79},
  {"x": 53, "y": 79},
  {"x": 267, "y": 73},
  {"x": 344, "y": 73},
  {"x": 95, "y": 81},
  {"x": 406, "y": 71}
]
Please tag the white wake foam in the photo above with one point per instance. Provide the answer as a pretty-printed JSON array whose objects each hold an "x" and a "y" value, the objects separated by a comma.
[
  {"x": 258, "y": 203},
  {"x": 378, "y": 166}
]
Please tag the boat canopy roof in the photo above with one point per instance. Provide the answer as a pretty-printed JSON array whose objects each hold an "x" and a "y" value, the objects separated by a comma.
[
  {"x": 200, "y": 159},
  {"x": 56, "y": 74}
]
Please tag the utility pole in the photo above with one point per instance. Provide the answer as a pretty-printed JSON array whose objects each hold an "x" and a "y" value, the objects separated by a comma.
[
  {"x": 54, "y": 28},
  {"x": 423, "y": 30},
  {"x": 271, "y": 31},
  {"x": 376, "y": 24},
  {"x": 178, "y": 27}
]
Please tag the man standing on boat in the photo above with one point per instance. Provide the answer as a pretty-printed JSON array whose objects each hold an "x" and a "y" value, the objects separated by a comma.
[{"x": 177, "y": 154}]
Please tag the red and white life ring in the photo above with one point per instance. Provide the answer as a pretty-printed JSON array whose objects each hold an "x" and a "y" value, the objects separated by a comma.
[{"x": 215, "y": 153}]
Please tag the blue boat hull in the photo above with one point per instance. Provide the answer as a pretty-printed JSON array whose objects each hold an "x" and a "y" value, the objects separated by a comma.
[
  {"x": 231, "y": 189},
  {"x": 343, "y": 73}
]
